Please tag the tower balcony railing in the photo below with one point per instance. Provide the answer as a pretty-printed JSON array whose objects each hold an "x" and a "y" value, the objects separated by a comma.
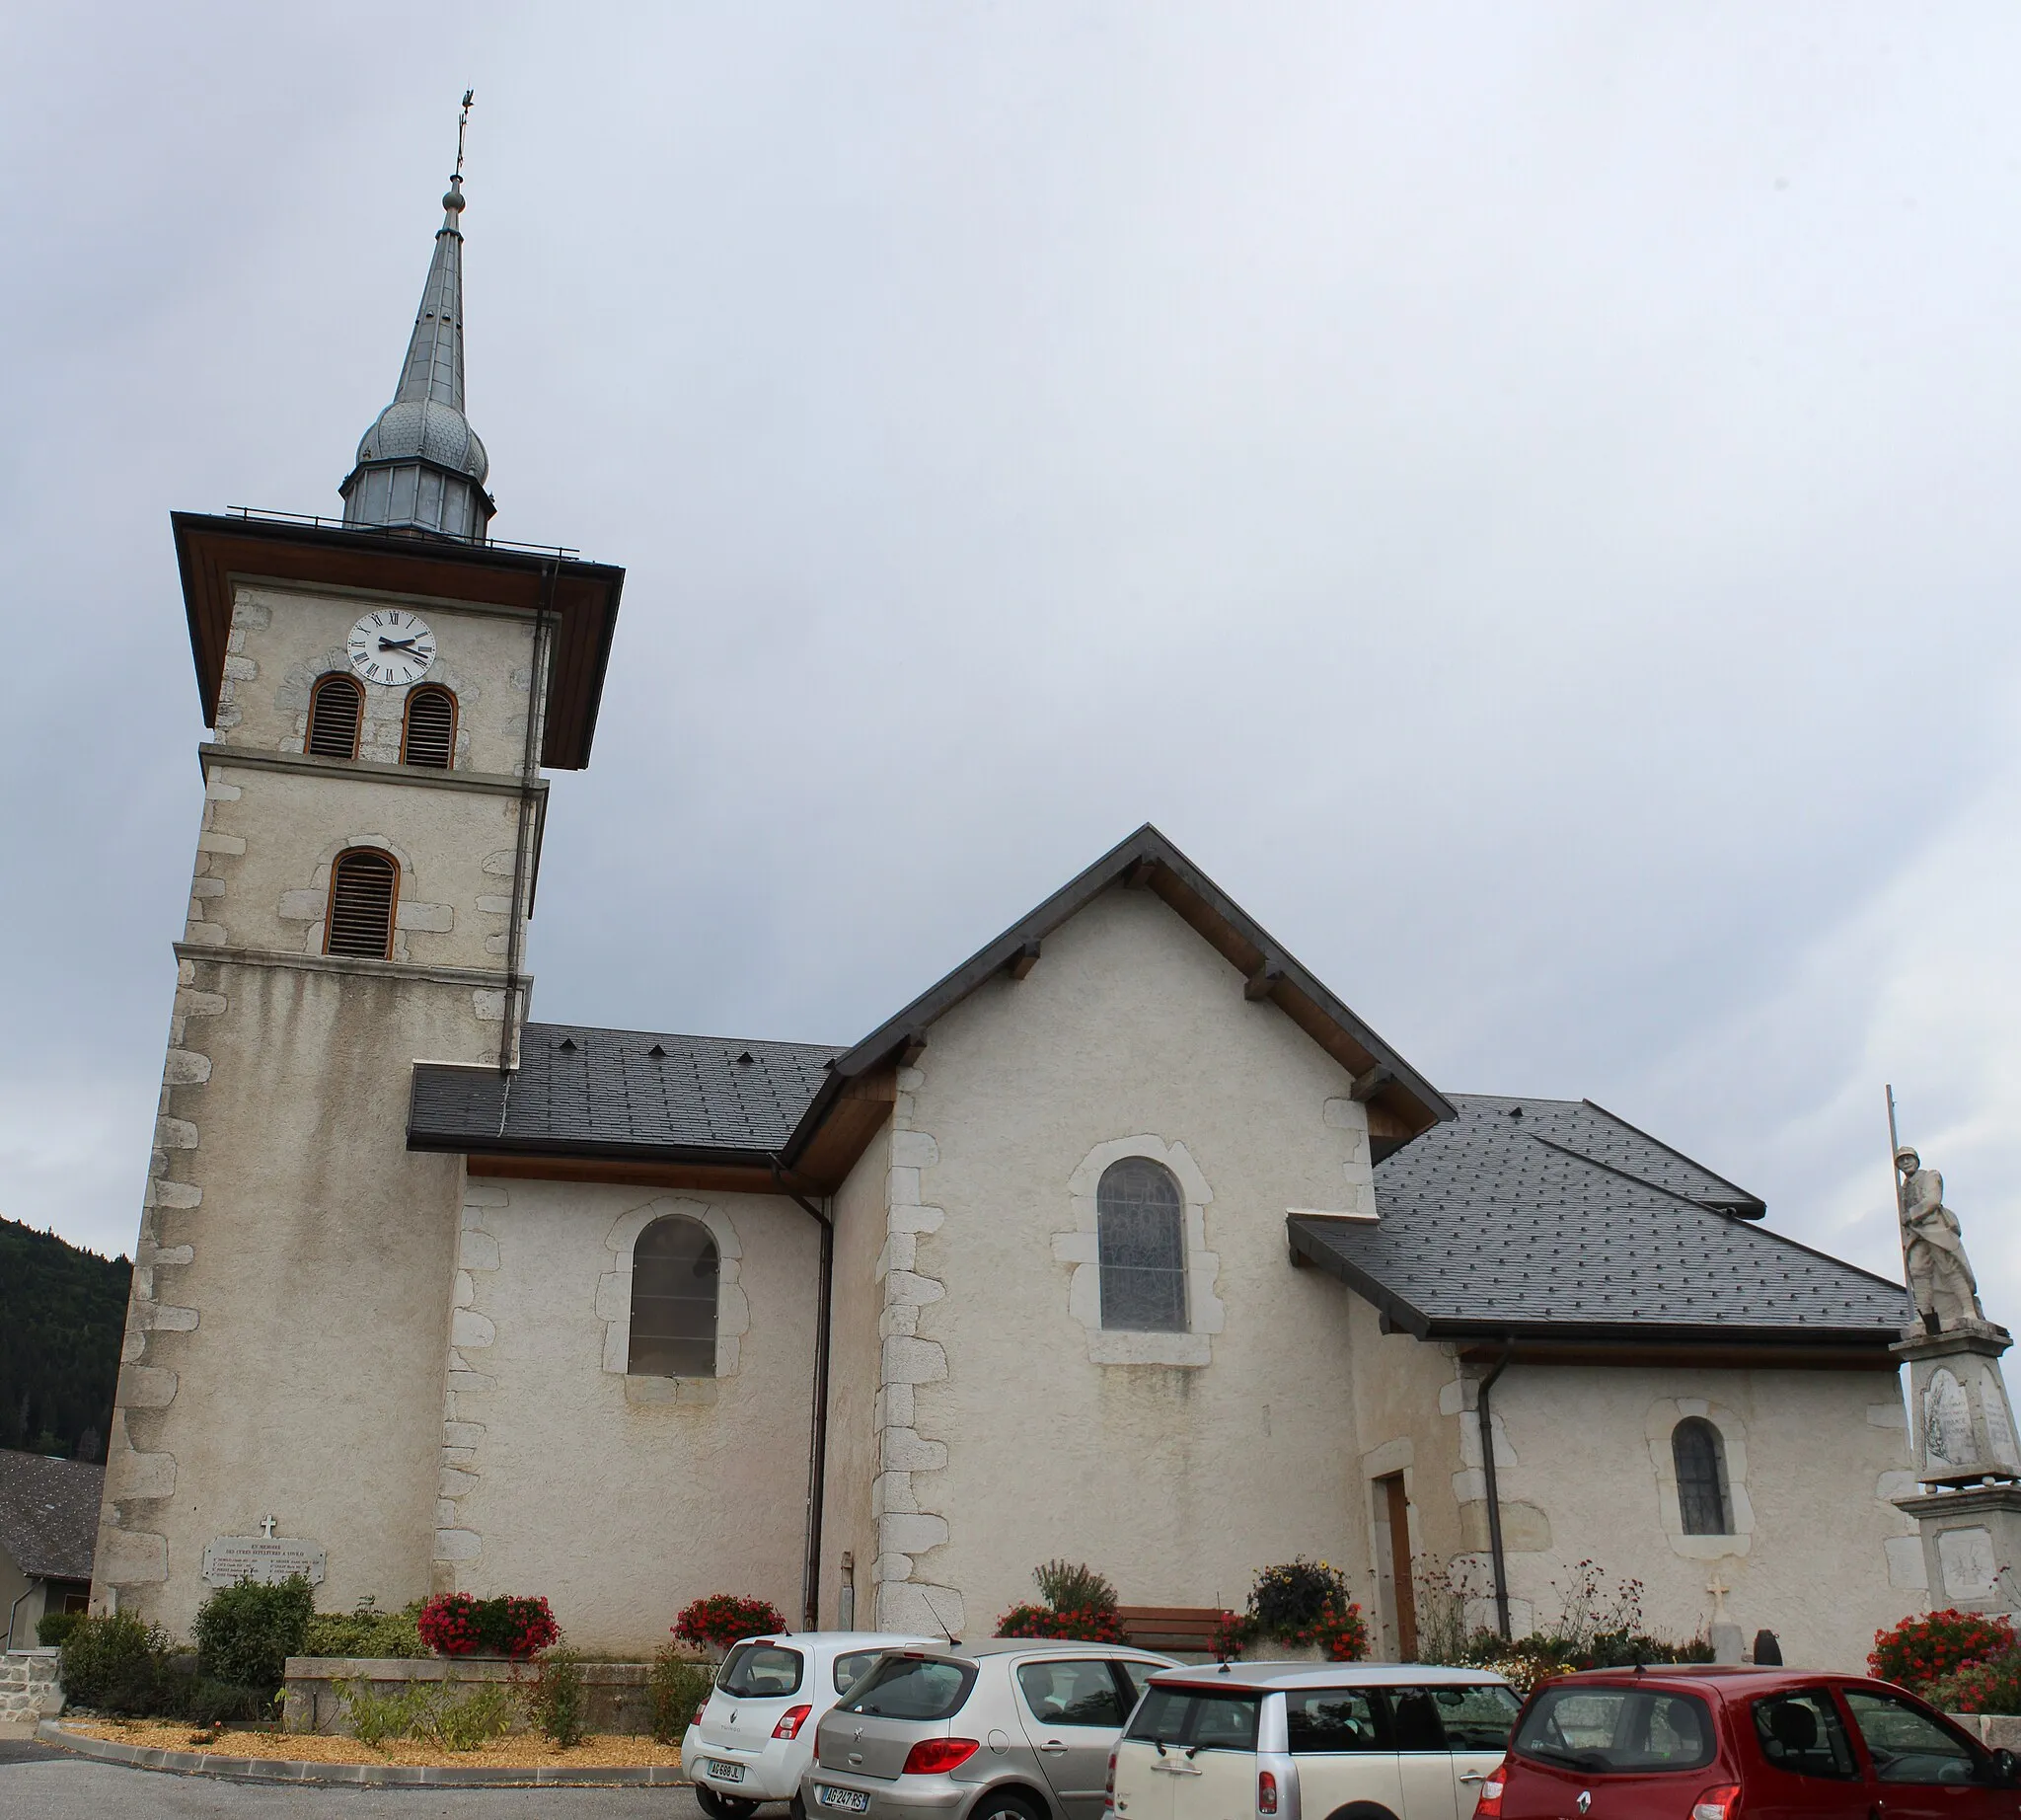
[{"x": 318, "y": 521}]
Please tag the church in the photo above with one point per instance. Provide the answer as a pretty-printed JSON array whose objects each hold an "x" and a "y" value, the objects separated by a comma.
[{"x": 1126, "y": 1242}]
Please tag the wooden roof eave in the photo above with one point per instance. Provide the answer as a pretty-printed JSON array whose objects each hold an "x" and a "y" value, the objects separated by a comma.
[
  {"x": 213, "y": 553},
  {"x": 1403, "y": 1106}
]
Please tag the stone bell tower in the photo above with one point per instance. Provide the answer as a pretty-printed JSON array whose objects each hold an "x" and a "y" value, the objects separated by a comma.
[{"x": 383, "y": 692}]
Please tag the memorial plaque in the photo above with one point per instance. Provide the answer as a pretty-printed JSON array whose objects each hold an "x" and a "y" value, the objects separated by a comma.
[{"x": 268, "y": 1560}]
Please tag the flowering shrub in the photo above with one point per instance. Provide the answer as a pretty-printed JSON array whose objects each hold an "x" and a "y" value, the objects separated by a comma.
[
  {"x": 1936, "y": 1645},
  {"x": 1085, "y": 1623},
  {"x": 1993, "y": 1686},
  {"x": 1302, "y": 1604},
  {"x": 719, "y": 1620},
  {"x": 1294, "y": 1597},
  {"x": 1233, "y": 1633},
  {"x": 458, "y": 1625}
]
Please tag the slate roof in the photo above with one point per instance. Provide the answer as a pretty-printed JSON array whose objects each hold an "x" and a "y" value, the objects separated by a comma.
[
  {"x": 1606, "y": 1139},
  {"x": 585, "y": 1092},
  {"x": 1499, "y": 1226},
  {"x": 50, "y": 1514}
]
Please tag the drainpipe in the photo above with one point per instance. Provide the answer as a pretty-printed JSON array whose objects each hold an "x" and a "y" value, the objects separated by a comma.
[
  {"x": 817, "y": 1440},
  {"x": 1484, "y": 1417}
]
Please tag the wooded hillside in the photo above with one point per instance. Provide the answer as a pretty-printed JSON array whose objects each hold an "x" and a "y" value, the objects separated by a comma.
[{"x": 62, "y": 1311}]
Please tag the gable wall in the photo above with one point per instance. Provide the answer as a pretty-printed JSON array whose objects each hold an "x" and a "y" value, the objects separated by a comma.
[
  {"x": 1822, "y": 1557},
  {"x": 1178, "y": 1481}
]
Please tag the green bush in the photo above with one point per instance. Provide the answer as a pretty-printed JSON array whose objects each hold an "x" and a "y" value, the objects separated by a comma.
[
  {"x": 1073, "y": 1586},
  {"x": 427, "y": 1710},
  {"x": 679, "y": 1685},
  {"x": 53, "y": 1627},
  {"x": 245, "y": 1633},
  {"x": 365, "y": 1632},
  {"x": 558, "y": 1702},
  {"x": 115, "y": 1664}
]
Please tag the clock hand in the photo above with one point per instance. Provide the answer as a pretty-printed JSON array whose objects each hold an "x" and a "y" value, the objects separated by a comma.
[{"x": 398, "y": 643}]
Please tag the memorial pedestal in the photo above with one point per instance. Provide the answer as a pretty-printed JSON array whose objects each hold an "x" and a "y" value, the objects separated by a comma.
[
  {"x": 1971, "y": 1546},
  {"x": 1958, "y": 1410}
]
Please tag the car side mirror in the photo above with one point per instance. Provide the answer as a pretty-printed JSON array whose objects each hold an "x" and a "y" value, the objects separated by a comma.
[{"x": 2004, "y": 1768}]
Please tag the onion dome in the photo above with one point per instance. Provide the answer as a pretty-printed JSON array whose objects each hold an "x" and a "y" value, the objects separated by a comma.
[{"x": 420, "y": 466}]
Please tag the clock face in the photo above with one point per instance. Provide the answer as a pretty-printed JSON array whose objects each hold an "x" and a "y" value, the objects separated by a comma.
[{"x": 390, "y": 646}]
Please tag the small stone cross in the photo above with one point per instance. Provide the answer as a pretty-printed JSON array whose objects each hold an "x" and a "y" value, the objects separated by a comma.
[
  {"x": 267, "y": 1526},
  {"x": 1718, "y": 1589}
]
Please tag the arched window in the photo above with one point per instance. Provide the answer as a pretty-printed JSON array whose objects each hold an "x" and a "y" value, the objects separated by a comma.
[
  {"x": 1701, "y": 1458},
  {"x": 674, "y": 1274},
  {"x": 1140, "y": 1227},
  {"x": 337, "y": 706},
  {"x": 429, "y": 735},
  {"x": 364, "y": 885}
]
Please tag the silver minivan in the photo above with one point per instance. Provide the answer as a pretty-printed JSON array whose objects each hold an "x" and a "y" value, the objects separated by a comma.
[
  {"x": 1301, "y": 1741},
  {"x": 1010, "y": 1729}
]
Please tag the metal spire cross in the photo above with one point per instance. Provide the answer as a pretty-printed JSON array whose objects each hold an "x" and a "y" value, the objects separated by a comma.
[{"x": 461, "y": 124}]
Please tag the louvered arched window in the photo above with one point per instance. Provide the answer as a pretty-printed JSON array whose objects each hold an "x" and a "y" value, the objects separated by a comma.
[
  {"x": 429, "y": 735},
  {"x": 1699, "y": 1455},
  {"x": 1141, "y": 1241},
  {"x": 336, "y": 708},
  {"x": 364, "y": 886},
  {"x": 675, "y": 1271}
]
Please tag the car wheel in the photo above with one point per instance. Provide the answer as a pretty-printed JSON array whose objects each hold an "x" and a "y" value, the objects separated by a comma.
[
  {"x": 1008, "y": 1806},
  {"x": 798, "y": 1809}
]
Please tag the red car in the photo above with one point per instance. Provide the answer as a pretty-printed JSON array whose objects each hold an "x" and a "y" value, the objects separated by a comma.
[{"x": 1741, "y": 1744}]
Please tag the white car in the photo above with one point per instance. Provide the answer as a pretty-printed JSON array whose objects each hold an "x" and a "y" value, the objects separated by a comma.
[{"x": 754, "y": 1738}]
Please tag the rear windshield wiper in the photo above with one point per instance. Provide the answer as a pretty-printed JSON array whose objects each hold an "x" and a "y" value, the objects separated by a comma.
[{"x": 1576, "y": 1760}]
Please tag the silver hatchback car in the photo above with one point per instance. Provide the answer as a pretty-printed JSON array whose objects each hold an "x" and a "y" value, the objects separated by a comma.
[{"x": 1010, "y": 1729}]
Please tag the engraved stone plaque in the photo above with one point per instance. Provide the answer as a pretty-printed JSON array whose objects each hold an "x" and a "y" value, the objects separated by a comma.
[{"x": 268, "y": 1560}]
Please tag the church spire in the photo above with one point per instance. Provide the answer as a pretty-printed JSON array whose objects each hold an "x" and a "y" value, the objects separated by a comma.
[{"x": 420, "y": 466}]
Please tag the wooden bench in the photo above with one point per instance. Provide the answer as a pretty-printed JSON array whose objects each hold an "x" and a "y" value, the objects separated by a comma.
[{"x": 1171, "y": 1626}]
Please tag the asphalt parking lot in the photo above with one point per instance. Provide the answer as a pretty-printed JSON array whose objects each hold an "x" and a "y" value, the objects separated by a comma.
[{"x": 39, "y": 1784}]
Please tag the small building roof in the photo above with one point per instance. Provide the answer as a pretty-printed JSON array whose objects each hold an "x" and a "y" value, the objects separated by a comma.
[
  {"x": 1567, "y": 1223},
  {"x": 50, "y": 1514},
  {"x": 620, "y": 1094}
]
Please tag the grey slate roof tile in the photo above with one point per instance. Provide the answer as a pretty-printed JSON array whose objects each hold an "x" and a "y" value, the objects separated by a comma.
[
  {"x": 50, "y": 1514},
  {"x": 586, "y": 1089},
  {"x": 1492, "y": 1221}
]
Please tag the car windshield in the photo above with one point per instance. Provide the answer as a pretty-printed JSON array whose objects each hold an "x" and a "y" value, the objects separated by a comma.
[
  {"x": 1602, "y": 1731},
  {"x": 912, "y": 1687},
  {"x": 1206, "y": 1718},
  {"x": 761, "y": 1671}
]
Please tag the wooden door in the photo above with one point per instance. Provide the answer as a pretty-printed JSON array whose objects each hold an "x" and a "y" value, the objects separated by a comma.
[{"x": 1396, "y": 1509}]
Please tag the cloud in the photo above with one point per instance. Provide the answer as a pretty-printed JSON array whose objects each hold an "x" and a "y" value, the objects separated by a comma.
[{"x": 1523, "y": 495}]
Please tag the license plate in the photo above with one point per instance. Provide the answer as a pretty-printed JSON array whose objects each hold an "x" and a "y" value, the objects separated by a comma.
[
  {"x": 849, "y": 1800},
  {"x": 720, "y": 1772}
]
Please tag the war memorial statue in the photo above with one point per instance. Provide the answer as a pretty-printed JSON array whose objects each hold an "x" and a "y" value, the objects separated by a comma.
[{"x": 1961, "y": 1423}]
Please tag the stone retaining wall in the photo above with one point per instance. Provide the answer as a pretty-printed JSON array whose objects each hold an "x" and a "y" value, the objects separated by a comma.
[
  {"x": 617, "y": 1694},
  {"x": 29, "y": 1686}
]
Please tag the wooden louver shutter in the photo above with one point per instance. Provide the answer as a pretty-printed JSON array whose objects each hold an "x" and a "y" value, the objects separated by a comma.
[
  {"x": 430, "y": 729},
  {"x": 361, "y": 894},
  {"x": 333, "y": 714}
]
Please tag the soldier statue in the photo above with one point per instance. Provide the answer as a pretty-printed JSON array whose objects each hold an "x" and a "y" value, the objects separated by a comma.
[{"x": 1940, "y": 1275}]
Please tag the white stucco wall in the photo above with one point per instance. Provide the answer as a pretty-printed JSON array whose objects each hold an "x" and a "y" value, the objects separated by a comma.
[
  {"x": 1008, "y": 1440},
  {"x": 1821, "y": 1556},
  {"x": 623, "y": 1499},
  {"x": 283, "y": 1352}
]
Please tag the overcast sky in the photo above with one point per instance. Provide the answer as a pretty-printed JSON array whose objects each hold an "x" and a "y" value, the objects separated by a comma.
[{"x": 1524, "y": 496}]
